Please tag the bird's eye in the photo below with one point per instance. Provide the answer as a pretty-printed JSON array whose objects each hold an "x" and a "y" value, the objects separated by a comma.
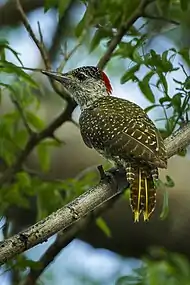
[{"x": 81, "y": 76}]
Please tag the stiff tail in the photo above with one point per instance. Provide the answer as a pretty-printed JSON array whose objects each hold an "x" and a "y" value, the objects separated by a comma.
[{"x": 142, "y": 190}]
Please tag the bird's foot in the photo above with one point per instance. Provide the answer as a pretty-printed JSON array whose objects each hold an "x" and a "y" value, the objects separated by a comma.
[
  {"x": 114, "y": 175},
  {"x": 108, "y": 176}
]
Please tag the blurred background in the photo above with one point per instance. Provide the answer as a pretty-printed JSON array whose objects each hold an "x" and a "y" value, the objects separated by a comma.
[{"x": 150, "y": 66}]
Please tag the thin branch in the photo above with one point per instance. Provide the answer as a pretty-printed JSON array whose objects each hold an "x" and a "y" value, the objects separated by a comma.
[
  {"x": 40, "y": 175},
  {"x": 68, "y": 55},
  {"x": 42, "y": 49},
  {"x": 22, "y": 115},
  {"x": 161, "y": 18},
  {"x": 26, "y": 68},
  {"x": 40, "y": 34},
  {"x": 178, "y": 140},
  {"x": 40, "y": 46},
  {"x": 122, "y": 31},
  {"x": 81, "y": 206}
]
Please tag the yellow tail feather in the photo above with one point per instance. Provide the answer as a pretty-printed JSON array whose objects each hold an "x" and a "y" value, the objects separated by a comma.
[{"x": 142, "y": 194}]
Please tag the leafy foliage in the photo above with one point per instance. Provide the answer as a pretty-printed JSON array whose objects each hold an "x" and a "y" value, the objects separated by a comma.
[{"x": 171, "y": 268}]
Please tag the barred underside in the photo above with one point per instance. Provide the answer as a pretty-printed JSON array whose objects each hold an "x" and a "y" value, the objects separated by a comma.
[{"x": 142, "y": 190}]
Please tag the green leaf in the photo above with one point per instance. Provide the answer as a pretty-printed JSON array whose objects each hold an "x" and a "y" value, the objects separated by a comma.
[
  {"x": 22, "y": 263},
  {"x": 15, "y": 197},
  {"x": 8, "y": 87},
  {"x": 4, "y": 44},
  {"x": 34, "y": 121},
  {"x": 126, "y": 50},
  {"x": 136, "y": 57},
  {"x": 184, "y": 52},
  {"x": 182, "y": 152},
  {"x": 85, "y": 21},
  {"x": 169, "y": 181},
  {"x": 8, "y": 156},
  {"x": 161, "y": 64},
  {"x": 184, "y": 4},
  {"x": 145, "y": 88},
  {"x": 176, "y": 101},
  {"x": 23, "y": 179},
  {"x": 2, "y": 54},
  {"x": 0, "y": 95},
  {"x": 44, "y": 156},
  {"x": 103, "y": 226},
  {"x": 62, "y": 6},
  {"x": 129, "y": 74},
  {"x": 170, "y": 125},
  {"x": 149, "y": 108},
  {"x": 9, "y": 67},
  {"x": 165, "y": 206},
  {"x": 50, "y": 4},
  {"x": 35, "y": 265},
  {"x": 128, "y": 280},
  {"x": 20, "y": 138},
  {"x": 164, "y": 99},
  {"x": 187, "y": 83},
  {"x": 163, "y": 81},
  {"x": 98, "y": 36}
]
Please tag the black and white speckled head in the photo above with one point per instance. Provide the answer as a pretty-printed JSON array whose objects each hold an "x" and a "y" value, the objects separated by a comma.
[{"x": 85, "y": 84}]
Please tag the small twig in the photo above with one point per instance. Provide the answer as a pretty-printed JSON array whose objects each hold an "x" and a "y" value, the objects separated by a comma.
[
  {"x": 161, "y": 18},
  {"x": 41, "y": 176},
  {"x": 42, "y": 49},
  {"x": 40, "y": 34},
  {"x": 67, "y": 56},
  {"x": 26, "y": 68},
  {"x": 40, "y": 46},
  {"x": 57, "y": 139},
  {"x": 183, "y": 69},
  {"x": 22, "y": 115}
]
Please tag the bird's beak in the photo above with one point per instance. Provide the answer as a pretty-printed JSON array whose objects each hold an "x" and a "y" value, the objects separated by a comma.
[{"x": 57, "y": 76}]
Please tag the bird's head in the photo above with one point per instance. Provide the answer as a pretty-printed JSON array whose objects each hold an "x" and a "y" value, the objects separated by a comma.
[{"x": 85, "y": 84}]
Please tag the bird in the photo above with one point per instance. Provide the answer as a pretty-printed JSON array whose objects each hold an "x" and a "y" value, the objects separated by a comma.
[{"x": 120, "y": 131}]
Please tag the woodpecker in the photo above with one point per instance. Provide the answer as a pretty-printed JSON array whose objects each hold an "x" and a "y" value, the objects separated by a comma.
[{"x": 120, "y": 131}]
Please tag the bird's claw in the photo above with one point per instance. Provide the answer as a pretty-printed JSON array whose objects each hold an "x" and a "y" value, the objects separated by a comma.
[{"x": 108, "y": 175}]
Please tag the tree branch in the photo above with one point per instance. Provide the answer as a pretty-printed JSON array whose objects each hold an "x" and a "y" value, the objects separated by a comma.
[
  {"x": 64, "y": 217},
  {"x": 138, "y": 12},
  {"x": 63, "y": 239},
  {"x": 38, "y": 43},
  {"x": 178, "y": 140},
  {"x": 42, "y": 49},
  {"x": 81, "y": 206},
  {"x": 22, "y": 115}
]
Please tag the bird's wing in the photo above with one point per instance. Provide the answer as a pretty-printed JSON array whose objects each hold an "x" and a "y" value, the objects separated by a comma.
[{"x": 123, "y": 131}]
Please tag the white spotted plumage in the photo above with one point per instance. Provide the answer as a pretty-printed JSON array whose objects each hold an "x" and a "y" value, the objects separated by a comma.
[{"x": 120, "y": 131}]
